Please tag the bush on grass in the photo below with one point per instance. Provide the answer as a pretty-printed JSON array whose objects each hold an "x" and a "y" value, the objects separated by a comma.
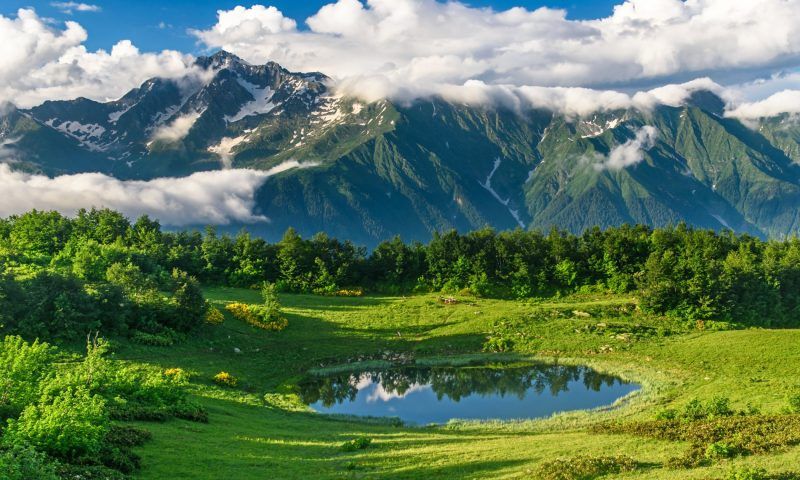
[
  {"x": 359, "y": 443},
  {"x": 585, "y": 467}
]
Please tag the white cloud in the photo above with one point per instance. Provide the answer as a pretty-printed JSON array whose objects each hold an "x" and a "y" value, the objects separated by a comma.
[
  {"x": 787, "y": 101},
  {"x": 409, "y": 49},
  {"x": 7, "y": 154},
  {"x": 766, "y": 97},
  {"x": 39, "y": 62},
  {"x": 380, "y": 393},
  {"x": 177, "y": 129},
  {"x": 570, "y": 101},
  {"x": 219, "y": 197},
  {"x": 69, "y": 7},
  {"x": 240, "y": 25},
  {"x": 631, "y": 152},
  {"x": 417, "y": 42}
]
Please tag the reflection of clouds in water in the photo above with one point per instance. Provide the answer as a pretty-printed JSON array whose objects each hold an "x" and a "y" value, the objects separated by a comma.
[
  {"x": 366, "y": 381},
  {"x": 380, "y": 393}
]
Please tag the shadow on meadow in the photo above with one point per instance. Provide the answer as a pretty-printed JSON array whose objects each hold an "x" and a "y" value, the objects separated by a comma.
[
  {"x": 264, "y": 361},
  {"x": 250, "y": 442}
]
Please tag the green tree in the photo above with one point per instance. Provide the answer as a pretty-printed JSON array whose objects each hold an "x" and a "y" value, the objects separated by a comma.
[
  {"x": 39, "y": 234},
  {"x": 191, "y": 304}
]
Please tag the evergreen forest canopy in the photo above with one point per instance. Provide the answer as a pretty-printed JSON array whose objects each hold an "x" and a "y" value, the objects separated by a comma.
[{"x": 65, "y": 277}]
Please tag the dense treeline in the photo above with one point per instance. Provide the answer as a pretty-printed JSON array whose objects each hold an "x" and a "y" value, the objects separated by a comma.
[
  {"x": 99, "y": 267},
  {"x": 62, "y": 278}
]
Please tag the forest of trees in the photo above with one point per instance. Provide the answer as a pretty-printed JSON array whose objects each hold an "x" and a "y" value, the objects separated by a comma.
[{"x": 64, "y": 277}]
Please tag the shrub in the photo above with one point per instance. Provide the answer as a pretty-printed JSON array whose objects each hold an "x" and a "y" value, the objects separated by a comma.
[
  {"x": 191, "y": 305},
  {"x": 153, "y": 339},
  {"x": 24, "y": 463},
  {"x": 793, "y": 400},
  {"x": 667, "y": 414},
  {"x": 259, "y": 316},
  {"x": 718, "y": 450},
  {"x": 177, "y": 375},
  {"x": 190, "y": 411},
  {"x": 137, "y": 412},
  {"x": 23, "y": 366},
  {"x": 585, "y": 467},
  {"x": 70, "y": 425},
  {"x": 498, "y": 344},
  {"x": 89, "y": 472},
  {"x": 359, "y": 443},
  {"x": 242, "y": 312},
  {"x": 740, "y": 435},
  {"x": 214, "y": 316},
  {"x": 225, "y": 379},
  {"x": 717, "y": 407},
  {"x": 351, "y": 292},
  {"x": 747, "y": 473},
  {"x": 127, "y": 436}
]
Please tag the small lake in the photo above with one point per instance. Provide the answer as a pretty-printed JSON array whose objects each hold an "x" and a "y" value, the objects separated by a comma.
[{"x": 425, "y": 395}]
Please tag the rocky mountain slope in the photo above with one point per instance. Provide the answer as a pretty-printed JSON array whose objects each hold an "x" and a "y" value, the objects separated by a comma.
[{"x": 383, "y": 168}]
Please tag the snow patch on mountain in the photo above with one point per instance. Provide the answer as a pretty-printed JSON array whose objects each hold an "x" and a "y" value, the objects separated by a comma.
[
  {"x": 721, "y": 221},
  {"x": 225, "y": 149},
  {"x": 114, "y": 117},
  {"x": 86, "y": 134},
  {"x": 487, "y": 184},
  {"x": 595, "y": 129},
  {"x": 161, "y": 118},
  {"x": 329, "y": 111},
  {"x": 260, "y": 105}
]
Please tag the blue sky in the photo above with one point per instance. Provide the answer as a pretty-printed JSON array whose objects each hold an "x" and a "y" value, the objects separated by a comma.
[{"x": 159, "y": 24}]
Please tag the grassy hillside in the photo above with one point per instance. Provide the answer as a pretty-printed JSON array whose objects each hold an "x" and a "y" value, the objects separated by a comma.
[{"x": 260, "y": 430}]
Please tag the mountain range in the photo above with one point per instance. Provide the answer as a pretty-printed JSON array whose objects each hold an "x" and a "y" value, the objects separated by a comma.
[{"x": 378, "y": 169}]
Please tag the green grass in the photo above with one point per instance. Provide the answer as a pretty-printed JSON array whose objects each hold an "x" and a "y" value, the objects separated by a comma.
[{"x": 250, "y": 438}]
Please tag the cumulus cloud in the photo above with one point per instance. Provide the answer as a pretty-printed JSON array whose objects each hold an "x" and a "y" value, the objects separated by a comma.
[
  {"x": 219, "y": 197},
  {"x": 40, "y": 62},
  {"x": 766, "y": 97},
  {"x": 70, "y": 7},
  {"x": 177, "y": 129},
  {"x": 411, "y": 49},
  {"x": 631, "y": 152},
  {"x": 412, "y": 42},
  {"x": 787, "y": 101}
]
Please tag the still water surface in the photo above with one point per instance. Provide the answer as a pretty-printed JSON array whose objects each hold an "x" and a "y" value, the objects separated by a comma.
[{"x": 424, "y": 395}]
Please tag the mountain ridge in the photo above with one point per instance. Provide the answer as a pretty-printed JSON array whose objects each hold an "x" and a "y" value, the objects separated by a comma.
[{"x": 410, "y": 169}]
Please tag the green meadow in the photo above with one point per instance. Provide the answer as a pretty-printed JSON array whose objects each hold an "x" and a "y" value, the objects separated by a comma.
[{"x": 260, "y": 429}]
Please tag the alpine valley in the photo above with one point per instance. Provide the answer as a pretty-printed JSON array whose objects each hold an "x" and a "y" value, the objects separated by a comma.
[{"x": 374, "y": 170}]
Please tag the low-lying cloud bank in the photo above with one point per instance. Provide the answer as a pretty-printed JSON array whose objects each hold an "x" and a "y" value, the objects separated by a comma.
[
  {"x": 570, "y": 101},
  {"x": 219, "y": 197}
]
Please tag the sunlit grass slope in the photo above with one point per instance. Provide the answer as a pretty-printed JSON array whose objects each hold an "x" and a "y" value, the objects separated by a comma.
[{"x": 261, "y": 431}]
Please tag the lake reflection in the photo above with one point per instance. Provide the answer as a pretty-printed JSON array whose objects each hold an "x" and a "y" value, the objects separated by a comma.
[{"x": 422, "y": 395}]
